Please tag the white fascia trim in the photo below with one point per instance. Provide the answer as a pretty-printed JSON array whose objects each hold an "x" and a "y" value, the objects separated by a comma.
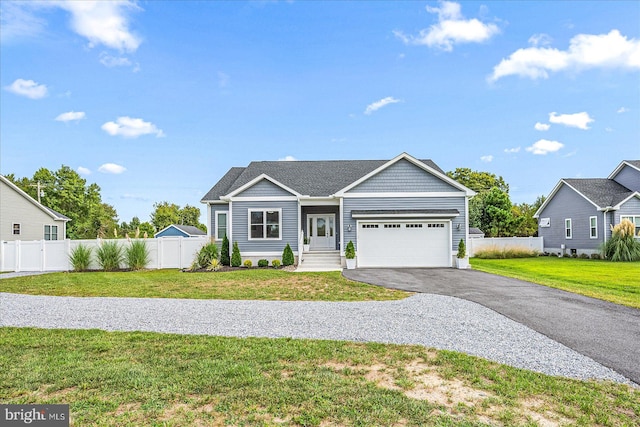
[
  {"x": 553, "y": 193},
  {"x": 265, "y": 199},
  {"x": 417, "y": 163},
  {"x": 619, "y": 205},
  {"x": 215, "y": 202},
  {"x": 381, "y": 218},
  {"x": 31, "y": 199},
  {"x": 399, "y": 195},
  {"x": 620, "y": 167},
  {"x": 258, "y": 179}
]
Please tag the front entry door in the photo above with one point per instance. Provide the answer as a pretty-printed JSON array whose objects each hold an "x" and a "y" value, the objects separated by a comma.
[{"x": 321, "y": 228}]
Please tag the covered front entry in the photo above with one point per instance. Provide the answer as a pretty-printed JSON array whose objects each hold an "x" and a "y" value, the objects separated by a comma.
[
  {"x": 321, "y": 229},
  {"x": 404, "y": 243}
]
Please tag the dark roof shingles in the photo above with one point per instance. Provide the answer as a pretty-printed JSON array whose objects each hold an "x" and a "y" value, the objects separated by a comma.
[{"x": 601, "y": 191}]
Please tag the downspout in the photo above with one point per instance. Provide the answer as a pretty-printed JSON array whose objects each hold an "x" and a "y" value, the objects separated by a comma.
[{"x": 604, "y": 222}]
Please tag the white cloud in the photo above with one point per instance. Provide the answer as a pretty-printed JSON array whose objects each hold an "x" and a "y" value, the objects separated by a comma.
[
  {"x": 577, "y": 120},
  {"x": 544, "y": 146},
  {"x": 28, "y": 88},
  {"x": 71, "y": 116},
  {"x": 111, "y": 168},
  {"x": 541, "y": 126},
  {"x": 103, "y": 22},
  {"x": 612, "y": 50},
  {"x": 114, "y": 61},
  {"x": 83, "y": 171},
  {"x": 622, "y": 110},
  {"x": 287, "y": 159},
  {"x": 128, "y": 127},
  {"x": 486, "y": 159},
  {"x": 451, "y": 29},
  {"x": 540, "y": 40},
  {"x": 512, "y": 150},
  {"x": 379, "y": 104},
  {"x": 18, "y": 22}
]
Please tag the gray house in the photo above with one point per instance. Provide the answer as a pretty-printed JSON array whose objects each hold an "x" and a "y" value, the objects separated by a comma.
[
  {"x": 578, "y": 214},
  {"x": 398, "y": 212}
]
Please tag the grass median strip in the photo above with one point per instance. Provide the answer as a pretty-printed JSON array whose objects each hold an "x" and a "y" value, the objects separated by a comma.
[
  {"x": 234, "y": 285},
  {"x": 116, "y": 378},
  {"x": 617, "y": 282}
]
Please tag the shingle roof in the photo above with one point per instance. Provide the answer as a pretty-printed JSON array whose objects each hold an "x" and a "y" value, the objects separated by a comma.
[
  {"x": 601, "y": 191},
  {"x": 58, "y": 214},
  {"x": 312, "y": 178},
  {"x": 189, "y": 229}
]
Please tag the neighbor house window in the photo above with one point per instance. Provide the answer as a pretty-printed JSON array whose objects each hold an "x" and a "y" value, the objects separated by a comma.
[
  {"x": 50, "y": 232},
  {"x": 221, "y": 225},
  {"x": 567, "y": 228},
  {"x": 593, "y": 227},
  {"x": 635, "y": 220},
  {"x": 16, "y": 229},
  {"x": 264, "y": 223}
]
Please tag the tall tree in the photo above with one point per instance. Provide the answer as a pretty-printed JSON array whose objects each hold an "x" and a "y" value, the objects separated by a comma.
[
  {"x": 478, "y": 181},
  {"x": 165, "y": 214}
]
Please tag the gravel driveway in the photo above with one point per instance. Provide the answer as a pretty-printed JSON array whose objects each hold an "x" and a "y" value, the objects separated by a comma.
[{"x": 430, "y": 320}]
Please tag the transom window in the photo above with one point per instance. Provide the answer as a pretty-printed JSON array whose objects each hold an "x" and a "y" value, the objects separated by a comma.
[
  {"x": 221, "y": 225},
  {"x": 413, "y": 225},
  {"x": 635, "y": 220},
  {"x": 568, "y": 232},
  {"x": 50, "y": 232},
  {"x": 593, "y": 227},
  {"x": 436, "y": 225},
  {"x": 264, "y": 224},
  {"x": 369, "y": 225},
  {"x": 392, "y": 226},
  {"x": 16, "y": 229}
]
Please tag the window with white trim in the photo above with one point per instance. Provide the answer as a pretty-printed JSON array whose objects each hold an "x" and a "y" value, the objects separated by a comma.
[
  {"x": 635, "y": 220},
  {"x": 265, "y": 223},
  {"x": 593, "y": 227},
  {"x": 568, "y": 232},
  {"x": 221, "y": 224},
  {"x": 16, "y": 229},
  {"x": 50, "y": 232}
]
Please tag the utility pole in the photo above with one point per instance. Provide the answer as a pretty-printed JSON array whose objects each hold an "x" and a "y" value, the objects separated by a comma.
[{"x": 39, "y": 185}]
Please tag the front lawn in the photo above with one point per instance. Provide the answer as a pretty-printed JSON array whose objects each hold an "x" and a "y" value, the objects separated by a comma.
[
  {"x": 618, "y": 282},
  {"x": 239, "y": 285},
  {"x": 138, "y": 379}
]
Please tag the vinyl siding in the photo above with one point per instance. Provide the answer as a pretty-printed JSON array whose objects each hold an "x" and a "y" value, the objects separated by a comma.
[
  {"x": 403, "y": 176},
  {"x": 310, "y": 210},
  {"x": 629, "y": 177},
  {"x": 566, "y": 203},
  {"x": 16, "y": 209},
  {"x": 289, "y": 221},
  {"x": 264, "y": 188},
  {"x": 631, "y": 207},
  {"x": 351, "y": 204}
]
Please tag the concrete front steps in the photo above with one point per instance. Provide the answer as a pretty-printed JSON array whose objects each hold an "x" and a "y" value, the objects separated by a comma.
[{"x": 320, "y": 261}]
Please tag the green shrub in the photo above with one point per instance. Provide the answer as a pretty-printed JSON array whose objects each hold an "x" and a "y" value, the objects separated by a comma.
[
  {"x": 224, "y": 252},
  {"x": 80, "y": 258},
  {"x": 110, "y": 256},
  {"x": 566, "y": 256},
  {"x": 495, "y": 252},
  {"x": 622, "y": 246},
  {"x": 263, "y": 263},
  {"x": 236, "y": 259},
  {"x": 247, "y": 263},
  {"x": 287, "y": 256},
  {"x": 595, "y": 256},
  {"x": 462, "y": 249},
  {"x": 207, "y": 253},
  {"x": 350, "y": 251},
  {"x": 214, "y": 265},
  {"x": 275, "y": 263},
  {"x": 584, "y": 256},
  {"x": 137, "y": 255}
]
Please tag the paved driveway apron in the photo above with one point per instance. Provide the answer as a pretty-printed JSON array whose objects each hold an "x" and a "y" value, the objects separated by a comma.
[{"x": 608, "y": 333}]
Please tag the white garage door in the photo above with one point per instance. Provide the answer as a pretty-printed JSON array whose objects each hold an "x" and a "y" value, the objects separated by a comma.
[{"x": 404, "y": 244}]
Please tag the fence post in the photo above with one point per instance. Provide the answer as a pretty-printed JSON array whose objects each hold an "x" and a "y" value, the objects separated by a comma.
[
  {"x": 43, "y": 255},
  {"x": 17, "y": 267},
  {"x": 67, "y": 247}
]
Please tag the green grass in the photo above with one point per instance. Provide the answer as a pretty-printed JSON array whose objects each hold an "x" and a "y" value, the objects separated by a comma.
[
  {"x": 617, "y": 282},
  {"x": 132, "y": 379},
  {"x": 241, "y": 284}
]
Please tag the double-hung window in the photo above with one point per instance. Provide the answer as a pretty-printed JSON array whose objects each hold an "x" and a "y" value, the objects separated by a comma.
[
  {"x": 221, "y": 224},
  {"x": 265, "y": 223},
  {"x": 593, "y": 227},
  {"x": 16, "y": 229},
  {"x": 50, "y": 232},
  {"x": 568, "y": 232}
]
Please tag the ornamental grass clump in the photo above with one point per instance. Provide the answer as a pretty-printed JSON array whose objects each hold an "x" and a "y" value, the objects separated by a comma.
[
  {"x": 496, "y": 252},
  {"x": 207, "y": 253},
  {"x": 109, "y": 256},
  {"x": 622, "y": 246},
  {"x": 80, "y": 258},
  {"x": 137, "y": 256}
]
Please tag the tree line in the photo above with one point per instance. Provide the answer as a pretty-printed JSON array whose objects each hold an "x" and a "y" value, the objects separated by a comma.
[{"x": 66, "y": 192}]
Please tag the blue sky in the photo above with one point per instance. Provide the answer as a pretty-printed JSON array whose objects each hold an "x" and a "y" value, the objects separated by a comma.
[{"x": 156, "y": 100}]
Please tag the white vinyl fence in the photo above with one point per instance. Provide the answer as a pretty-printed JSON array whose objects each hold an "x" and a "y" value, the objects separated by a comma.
[
  {"x": 53, "y": 255},
  {"x": 534, "y": 243}
]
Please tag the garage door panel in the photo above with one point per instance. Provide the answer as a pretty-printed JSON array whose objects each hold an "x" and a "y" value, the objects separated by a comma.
[{"x": 404, "y": 244}]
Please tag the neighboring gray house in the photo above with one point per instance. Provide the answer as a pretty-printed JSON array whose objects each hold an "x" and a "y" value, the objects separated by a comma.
[
  {"x": 23, "y": 218},
  {"x": 578, "y": 214},
  {"x": 398, "y": 212},
  {"x": 177, "y": 230}
]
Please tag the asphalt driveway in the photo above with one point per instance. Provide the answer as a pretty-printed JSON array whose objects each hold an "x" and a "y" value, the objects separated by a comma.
[{"x": 608, "y": 333}]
